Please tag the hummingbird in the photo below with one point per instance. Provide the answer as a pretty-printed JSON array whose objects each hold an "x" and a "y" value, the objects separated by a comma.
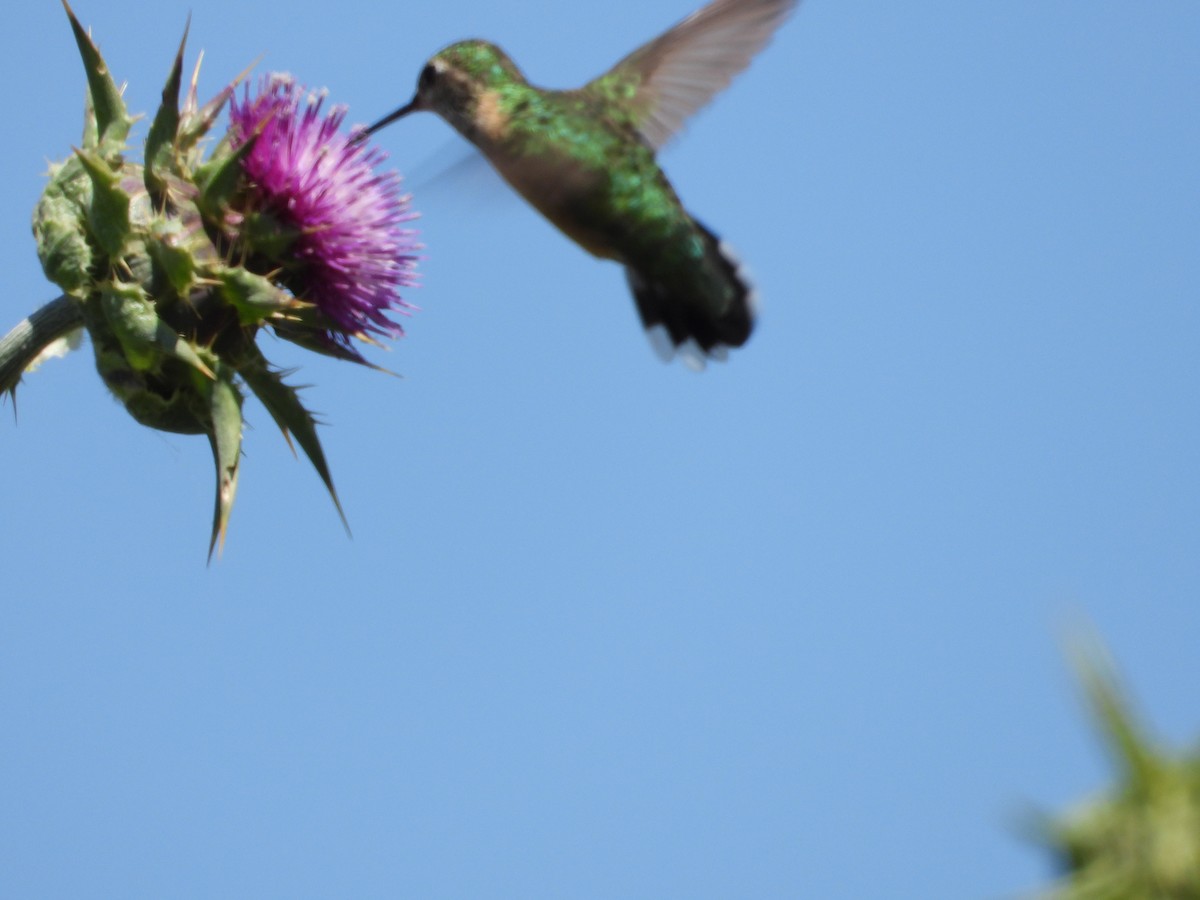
[{"x": 586, "y": 160}]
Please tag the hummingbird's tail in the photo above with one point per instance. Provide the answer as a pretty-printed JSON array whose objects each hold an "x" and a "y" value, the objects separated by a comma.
[{"x": 697, "y": 319}]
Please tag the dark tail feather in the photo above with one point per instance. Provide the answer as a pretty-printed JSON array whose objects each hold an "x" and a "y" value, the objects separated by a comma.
[{"x": 678, "y": 322}]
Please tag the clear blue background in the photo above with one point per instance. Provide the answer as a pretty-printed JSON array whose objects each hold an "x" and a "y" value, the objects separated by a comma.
[{"x": 607, "y": 628}]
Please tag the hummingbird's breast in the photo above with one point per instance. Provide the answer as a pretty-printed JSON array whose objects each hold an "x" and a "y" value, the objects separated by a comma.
[
  {"x": 571, "y": 198},
  {"x": 595, "y": 181}
]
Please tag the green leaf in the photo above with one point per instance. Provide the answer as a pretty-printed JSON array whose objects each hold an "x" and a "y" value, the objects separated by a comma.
[
  {"x": 1127, "y": 742},
  {"x": 198, "y": 120},
  {"x": 160, "y": 142},
  {"x": 143, "y": 336},
  {"x": 225, "y": 404},
  {"x": 264, "y": 234},
  {"x": 307, "y": 327},
  {"x": 108, "y": 213},
  {"x": 112, "y": 118},
  {"x": 283, "y": 403},
  {"x": 166, "y": 243},
  {"x": 220, "y": 178},
  {"x": 255, "y": 297},
  {"x": 58, "y": 228}
]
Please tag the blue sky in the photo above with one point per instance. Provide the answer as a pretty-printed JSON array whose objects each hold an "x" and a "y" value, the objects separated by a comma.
[{"x": 792, "y": 627}]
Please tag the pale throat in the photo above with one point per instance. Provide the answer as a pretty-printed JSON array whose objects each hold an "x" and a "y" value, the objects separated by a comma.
[{"x": 490, "y": 119}]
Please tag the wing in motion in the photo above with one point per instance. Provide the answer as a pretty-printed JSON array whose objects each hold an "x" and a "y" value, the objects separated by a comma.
[{"x": 679, "y": 72}]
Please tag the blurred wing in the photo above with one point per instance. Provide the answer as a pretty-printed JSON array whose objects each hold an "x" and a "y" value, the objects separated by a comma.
[{"x": 676, "y": 74}]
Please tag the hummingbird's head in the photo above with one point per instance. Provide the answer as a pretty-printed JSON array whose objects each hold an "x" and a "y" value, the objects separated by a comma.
[{"x": 454, "y": 82}]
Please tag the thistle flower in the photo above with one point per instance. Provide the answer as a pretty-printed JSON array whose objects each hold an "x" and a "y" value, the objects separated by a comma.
[
  {"x": 1142, "y": 838},
  {"x": 351, "y": 253},
  {"x": 174, "y": 265}
]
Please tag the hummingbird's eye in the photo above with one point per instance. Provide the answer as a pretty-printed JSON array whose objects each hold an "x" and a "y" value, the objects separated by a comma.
[{"x": 428, "y": 75}]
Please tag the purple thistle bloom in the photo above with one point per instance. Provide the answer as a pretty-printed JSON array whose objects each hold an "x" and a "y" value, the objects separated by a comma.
[{"x": 353, "y": 252}]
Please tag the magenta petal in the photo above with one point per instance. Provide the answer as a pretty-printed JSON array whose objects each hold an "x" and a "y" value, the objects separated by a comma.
[{"x": 355, "y": 252}]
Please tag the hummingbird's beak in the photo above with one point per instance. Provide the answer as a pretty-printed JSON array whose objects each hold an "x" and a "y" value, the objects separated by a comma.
[{"x": 410, "y": 106}]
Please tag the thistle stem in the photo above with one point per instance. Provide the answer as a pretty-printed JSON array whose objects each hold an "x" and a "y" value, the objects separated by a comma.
[{"x": 20, "y": 346}]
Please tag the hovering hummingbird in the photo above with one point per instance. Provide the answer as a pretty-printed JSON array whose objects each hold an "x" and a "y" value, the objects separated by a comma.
[{"x": 585, "y": 159}]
